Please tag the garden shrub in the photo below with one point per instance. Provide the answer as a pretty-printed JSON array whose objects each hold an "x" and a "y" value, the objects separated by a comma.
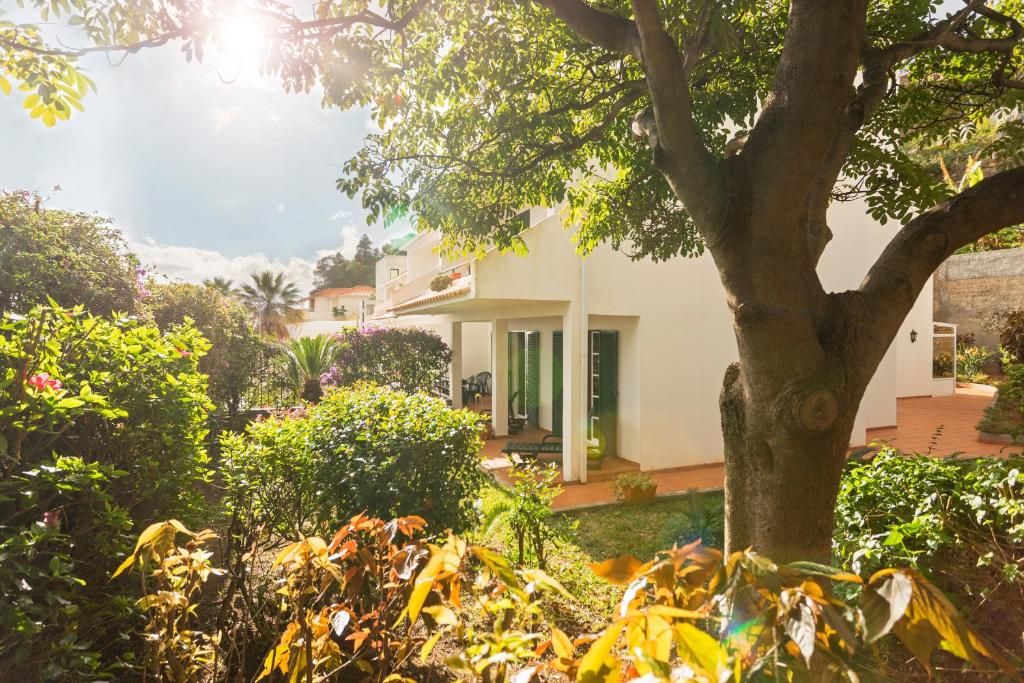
[
  {"x": 361, "y": 449},
  {"x": 405, "y": 358},
  {"x": 235, "y": 349},
  {"x": 960, "y": 522},
  {"x": 367, "y": 604},
  {"x": 1011, "y": 334},
  {"x": 124, "y": 408},
  {"x": 1006, "y": 414},
  {"x": 71, "y": 257}
]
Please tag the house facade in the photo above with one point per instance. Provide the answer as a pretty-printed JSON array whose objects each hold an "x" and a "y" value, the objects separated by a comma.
[
  {"x": 329, "y": 310},
  {"x": 627, "y": 355}
]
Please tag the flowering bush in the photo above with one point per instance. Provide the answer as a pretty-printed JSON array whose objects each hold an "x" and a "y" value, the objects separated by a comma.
[
  {"x": 124, "y": 408},
  {"x": 361, "y": 449},
  {"x": 405, "y": 358}
]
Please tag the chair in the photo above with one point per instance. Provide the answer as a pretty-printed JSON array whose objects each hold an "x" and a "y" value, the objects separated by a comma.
[{"x": 483, "y": 383}]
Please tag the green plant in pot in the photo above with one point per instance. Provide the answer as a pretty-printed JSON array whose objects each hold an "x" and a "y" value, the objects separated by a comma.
[
  {"x": 595, "y": 454},
  {"x": 441, "y": 283},
  {"x": 634, "y": 486}
]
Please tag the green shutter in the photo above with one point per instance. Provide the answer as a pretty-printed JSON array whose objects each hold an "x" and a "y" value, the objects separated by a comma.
[
  {"x": 533, "y": 379},
  {"x": 608, "y": 397},
  {"x": 556, "y": 383}
]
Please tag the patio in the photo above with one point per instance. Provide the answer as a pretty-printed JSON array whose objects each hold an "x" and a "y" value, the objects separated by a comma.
[
  {"x": 597, "y": 490},
  {"x": 919, "y": 420}
]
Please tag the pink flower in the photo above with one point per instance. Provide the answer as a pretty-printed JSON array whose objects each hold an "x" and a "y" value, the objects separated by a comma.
[
  {"x": 51, "y": 518},
  {"x": 42, "y": 381},
  {"x": 184, "y": 353}
]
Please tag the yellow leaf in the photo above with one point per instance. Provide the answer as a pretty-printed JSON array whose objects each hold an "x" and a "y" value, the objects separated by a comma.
[
  {"x": 618, "y": 570},
  {"x": 129, "y": 561},
  {"x": 442, "y": 615},
  {"x": 150, "y": 532},
  {"x": 699, "y": 650},
  {"x": 428, "y": 646},
  {"x": 599, "y": 664},
  {"x": 5, "y": 86},
  {"x": 31, "y": 101},
  {"x": 562, "y": 645}
]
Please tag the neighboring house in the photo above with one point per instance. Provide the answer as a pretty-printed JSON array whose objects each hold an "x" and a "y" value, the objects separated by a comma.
[
  {"x": 627, "y": 353},
  {"x": 331, "y": 309}
]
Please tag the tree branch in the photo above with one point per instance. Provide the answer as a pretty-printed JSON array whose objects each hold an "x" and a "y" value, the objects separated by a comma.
[
  {"x": 896, "y": 278},
  {"x": 794, "y": 138},
  {"x": 678, "y": 149},
  {"x": 603, "y": 29}
]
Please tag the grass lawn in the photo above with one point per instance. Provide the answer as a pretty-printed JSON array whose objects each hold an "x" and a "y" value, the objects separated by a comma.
[{"x": 640, "y": 529}]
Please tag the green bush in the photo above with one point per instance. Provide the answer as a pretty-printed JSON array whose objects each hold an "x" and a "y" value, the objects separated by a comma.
[
  {"x": 60, "y": 532},
  {"x": 361, "y": 449},
  {"x": 235, "y": 349},
  {"x": 1006, "y": 415},
  {"x": 124, "y": 408},
  {"x": 960, "y": 522},
  {"x": 72, "y": 257}
]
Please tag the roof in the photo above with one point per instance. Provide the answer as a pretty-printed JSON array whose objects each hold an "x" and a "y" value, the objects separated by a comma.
[
  {"x": 430, "y": 296},
  {"x": 358, "y": 290}
]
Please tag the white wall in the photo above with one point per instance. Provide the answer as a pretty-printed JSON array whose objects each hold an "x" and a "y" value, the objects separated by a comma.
[{"x": 476, "y": 348}]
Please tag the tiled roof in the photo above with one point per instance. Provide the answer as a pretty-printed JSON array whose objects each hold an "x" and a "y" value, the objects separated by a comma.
[
  {"x": 430, "y": 297},
  {"x": 358, "y": 290}
]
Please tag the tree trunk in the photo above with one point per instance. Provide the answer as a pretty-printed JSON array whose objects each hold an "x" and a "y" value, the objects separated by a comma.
[
  {"x": 781, "y": 480},
  {"x": 312, "y": 391}
]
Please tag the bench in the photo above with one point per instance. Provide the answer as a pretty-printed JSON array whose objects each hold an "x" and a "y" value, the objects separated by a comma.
[{"x": 519, "y": 452}]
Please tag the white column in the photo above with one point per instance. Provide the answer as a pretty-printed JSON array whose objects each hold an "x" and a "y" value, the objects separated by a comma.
[
  {"x": 499, "y": 376},
  {"x": 455, "y": 368},
  {"x": 573, "y": 411}
]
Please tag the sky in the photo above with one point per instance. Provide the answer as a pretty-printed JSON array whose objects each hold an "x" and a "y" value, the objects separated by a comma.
[{"x": 207, "y": 169}]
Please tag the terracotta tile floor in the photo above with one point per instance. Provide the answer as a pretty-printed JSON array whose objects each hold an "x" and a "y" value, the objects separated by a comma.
[
  {"x": 917, "y": 418},
  {"x": 597, "y": 491}
]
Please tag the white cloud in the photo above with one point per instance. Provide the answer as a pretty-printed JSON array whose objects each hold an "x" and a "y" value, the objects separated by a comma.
[
  {"x": 279, "y": 205},
  {"x": 192, "y": 264}
]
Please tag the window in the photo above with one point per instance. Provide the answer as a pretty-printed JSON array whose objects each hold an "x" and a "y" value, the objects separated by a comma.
[
  {"x": 395, "y": 272},
  {"x": 312, "y": 304}
]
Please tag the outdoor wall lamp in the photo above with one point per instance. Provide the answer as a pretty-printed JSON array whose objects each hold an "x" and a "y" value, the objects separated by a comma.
[{"x": 913, "y": 336}]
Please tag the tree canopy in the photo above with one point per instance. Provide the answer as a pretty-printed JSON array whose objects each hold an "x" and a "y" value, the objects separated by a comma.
[
  {"x": 71, "y": 257},
  {"x": 337, "y": 270},
  {"x": 485, "y": 107}
]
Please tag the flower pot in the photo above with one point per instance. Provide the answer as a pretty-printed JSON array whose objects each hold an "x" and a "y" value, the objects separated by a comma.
[
  {"x": 635, "y": 495},
  {"x": 595, "y": 458}
]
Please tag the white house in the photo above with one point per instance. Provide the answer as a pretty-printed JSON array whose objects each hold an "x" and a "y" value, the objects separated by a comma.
[
  {"x": 632, "y": 350},
  {"x": 331, "y": 309}
]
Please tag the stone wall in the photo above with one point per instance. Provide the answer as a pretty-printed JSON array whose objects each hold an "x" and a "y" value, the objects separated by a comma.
[{"x": 971, "y": 288}]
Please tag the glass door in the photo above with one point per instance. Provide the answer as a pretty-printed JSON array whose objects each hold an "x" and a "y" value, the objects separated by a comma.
[{"x": 594, "y": 398}]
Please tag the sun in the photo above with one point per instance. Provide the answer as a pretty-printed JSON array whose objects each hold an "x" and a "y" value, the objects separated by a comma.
[{"x": 242, "y": 39}]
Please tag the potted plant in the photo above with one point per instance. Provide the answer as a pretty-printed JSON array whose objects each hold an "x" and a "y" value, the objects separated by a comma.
[
  {"x": 634, "y": 486},
  {"x": 441, "y": 283},
  {"x": 595, "y": 457}
]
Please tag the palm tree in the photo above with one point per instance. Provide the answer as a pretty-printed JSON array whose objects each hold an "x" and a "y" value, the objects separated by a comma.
[
  {"x": 221, "y": 284},
  {"x": 304, "y": 360},
  {"x": 273, "y": 302}
]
